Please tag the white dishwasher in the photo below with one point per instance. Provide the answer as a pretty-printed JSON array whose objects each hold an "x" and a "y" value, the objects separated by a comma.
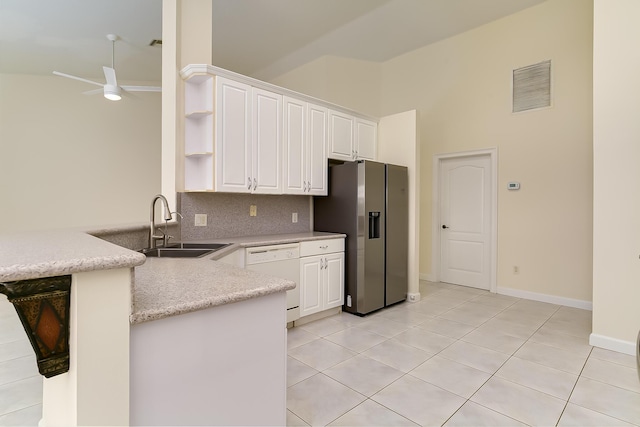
[{"x": 279, "y": 261}]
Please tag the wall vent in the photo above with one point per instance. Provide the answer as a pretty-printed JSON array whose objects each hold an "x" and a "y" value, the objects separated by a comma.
[{"x": 532, "y": 87}]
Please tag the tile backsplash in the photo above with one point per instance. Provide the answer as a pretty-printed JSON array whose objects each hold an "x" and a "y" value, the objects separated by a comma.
[{"x": 228, "y": 215}]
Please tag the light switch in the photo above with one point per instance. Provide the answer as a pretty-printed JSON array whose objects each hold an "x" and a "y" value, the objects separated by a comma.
[
  {"x": 253, "y": 210},
  {"x": 294, "y": 217}
]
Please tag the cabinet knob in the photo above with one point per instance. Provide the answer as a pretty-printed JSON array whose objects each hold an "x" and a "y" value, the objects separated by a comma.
[
  {"x": 249, "y": 186},
  {"x": 255, "y": 184}
]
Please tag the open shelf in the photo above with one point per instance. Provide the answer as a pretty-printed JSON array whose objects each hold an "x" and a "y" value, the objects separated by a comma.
[
  {"x": 199, "y": 100},
  {"x": 198, "y": 133},
  {"x": 198, "y": 172},
  {"x": 198, "y": 94},
  {"x": 198, "y": 114}
]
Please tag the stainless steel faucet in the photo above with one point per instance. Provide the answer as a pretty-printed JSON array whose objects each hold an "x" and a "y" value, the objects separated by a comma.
[{"x": 153, "y": 237}]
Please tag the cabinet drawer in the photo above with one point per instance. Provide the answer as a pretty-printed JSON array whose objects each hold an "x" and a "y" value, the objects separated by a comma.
[{"x": 319, "y": 247}]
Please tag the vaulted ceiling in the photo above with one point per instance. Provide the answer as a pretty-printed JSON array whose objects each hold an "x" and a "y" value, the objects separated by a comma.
[{"x": 261, "y": 38}]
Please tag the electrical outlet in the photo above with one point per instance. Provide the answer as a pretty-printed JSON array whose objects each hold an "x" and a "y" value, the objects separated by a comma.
[
  {"x": 253, "y": 210},
  {"x": 294, "y": 217},
  {"x": 516, "y": 269},
  {"x": 200, "y": 220}
]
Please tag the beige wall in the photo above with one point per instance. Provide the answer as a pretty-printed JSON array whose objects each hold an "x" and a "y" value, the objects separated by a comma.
[
  {"x": 69, "y": 160},
  {"x": 461, "y": 88},
  {"x": 398, "y": 144},
  {"x": 186, "y": 39},
  {"x": 616, "y": 228},
  {"x": 347, "y": 82}
]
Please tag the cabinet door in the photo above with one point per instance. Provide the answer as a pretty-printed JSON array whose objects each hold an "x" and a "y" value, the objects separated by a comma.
[
  {"x": 334, "y": 276},
  {"x": 293, "y": 146},
  {"x": 233, "y": 136},
  {"x": 267, "y": 142},
  {"x": 341, "y": 132},
  {"x": 366, "y": 139},
  {"x": 317, "y": 150},
  {"x": 311, "y": 283}
]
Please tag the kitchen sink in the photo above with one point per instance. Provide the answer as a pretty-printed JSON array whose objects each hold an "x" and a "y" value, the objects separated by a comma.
[
  {"x": 184, "y": 250},
  {"x": 208, "y": 246},
  {"x": 175, "y": 252}
]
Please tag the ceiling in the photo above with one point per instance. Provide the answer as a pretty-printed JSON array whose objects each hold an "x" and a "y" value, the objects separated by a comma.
[{"x": 261, "y": 38}]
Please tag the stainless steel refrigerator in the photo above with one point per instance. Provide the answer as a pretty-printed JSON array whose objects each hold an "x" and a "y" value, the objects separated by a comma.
[{"x": 368, "y": 201}]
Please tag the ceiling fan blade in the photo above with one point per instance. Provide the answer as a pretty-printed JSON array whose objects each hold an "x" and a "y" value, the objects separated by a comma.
[
  {"x": 141, "y": 88},
  {"x": 93, "y": 92},
  {"x": 69, "y": 76},
  {"x": 110, "y": 75}
]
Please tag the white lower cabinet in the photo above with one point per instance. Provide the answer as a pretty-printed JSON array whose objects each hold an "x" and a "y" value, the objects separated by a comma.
[{"x": 321, "y": 275}]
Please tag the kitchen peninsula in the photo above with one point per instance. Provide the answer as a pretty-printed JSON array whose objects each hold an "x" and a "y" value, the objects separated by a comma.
[{"x": 185, "y": 329}]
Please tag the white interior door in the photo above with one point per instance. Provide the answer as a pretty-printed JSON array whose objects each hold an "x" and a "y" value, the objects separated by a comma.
[{"x": 465, "y": 216}]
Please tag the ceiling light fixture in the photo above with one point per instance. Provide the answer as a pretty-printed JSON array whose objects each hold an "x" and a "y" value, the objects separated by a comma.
[{"x": 112, "y": 93}]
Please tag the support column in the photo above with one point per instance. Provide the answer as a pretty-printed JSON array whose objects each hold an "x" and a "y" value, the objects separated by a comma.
[
  {"x": 186, "y": 39},
  {"x": 95, "y": 390}
]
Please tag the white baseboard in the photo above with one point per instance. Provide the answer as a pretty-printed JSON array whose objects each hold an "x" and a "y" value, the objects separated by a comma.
[
  {"x": 614, "y": 344},
  {"x": 427, "y": 276},
  {"x": 413, "y": 297},
  {"x": 552, "y": 299}
]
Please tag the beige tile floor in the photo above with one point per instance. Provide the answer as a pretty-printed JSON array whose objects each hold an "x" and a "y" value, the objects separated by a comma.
[{"x": 459, "y": 357}]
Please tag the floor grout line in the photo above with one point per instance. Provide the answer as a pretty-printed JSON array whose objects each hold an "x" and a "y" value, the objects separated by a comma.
[{"x": 416, "y": 326}]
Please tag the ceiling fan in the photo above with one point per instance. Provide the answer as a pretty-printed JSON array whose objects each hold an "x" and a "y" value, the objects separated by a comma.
[{"x": 110, "y": 89}]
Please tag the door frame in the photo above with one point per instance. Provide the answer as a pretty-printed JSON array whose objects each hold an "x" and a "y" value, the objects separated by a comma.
[{"x": 435, "y": 215}]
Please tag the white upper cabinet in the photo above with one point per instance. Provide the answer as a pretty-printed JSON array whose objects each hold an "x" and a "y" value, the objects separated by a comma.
[
  {"x": 245, "y": 136},
  {"x": 318, "y": 126},
  {"x": 305, "y": 136},
  {"x": 233, "y": 137},
  {"x": 351, "y": 138},
  {"x": 366, "y": 139},
  {"x": 341, "y": 133},
  {"x": 248, "y": 139},
  {"x": 267, "y": 142},
  {"x": 293, "y": 145}
]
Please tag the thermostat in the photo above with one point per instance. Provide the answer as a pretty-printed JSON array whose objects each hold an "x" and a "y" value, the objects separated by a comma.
[{"x": 513, "y": 185}]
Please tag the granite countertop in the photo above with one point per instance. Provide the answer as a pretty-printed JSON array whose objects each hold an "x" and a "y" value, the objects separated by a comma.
[
  {"x": 166, "y": 287},
  {"x": 162, "y": 287},
  {"x": 266, "y": 240},
  {"x": 32, "y": 255}
]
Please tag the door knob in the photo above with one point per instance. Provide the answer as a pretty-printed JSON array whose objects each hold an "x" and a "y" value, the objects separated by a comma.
[{"x": 444, "y": 226}]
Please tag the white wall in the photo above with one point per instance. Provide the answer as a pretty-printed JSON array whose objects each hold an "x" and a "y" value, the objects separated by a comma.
[
  {"x": 70, "y": 160},
  {"x": 616, "y": 146},
  {"x": 461, "y": 88}
]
